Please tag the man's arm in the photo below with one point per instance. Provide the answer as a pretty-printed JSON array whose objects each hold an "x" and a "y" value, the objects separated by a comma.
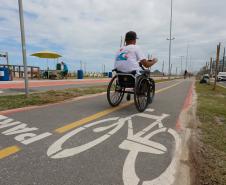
[{"x": 148, "y": 63}]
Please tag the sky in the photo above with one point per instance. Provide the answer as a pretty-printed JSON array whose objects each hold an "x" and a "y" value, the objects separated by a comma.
[{"x": 90, "y": 30}]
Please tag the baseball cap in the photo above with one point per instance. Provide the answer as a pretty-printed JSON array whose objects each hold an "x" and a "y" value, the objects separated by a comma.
[{"x": 131, "y": 35}]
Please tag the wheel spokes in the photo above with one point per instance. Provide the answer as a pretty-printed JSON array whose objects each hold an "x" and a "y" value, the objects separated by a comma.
[{"x": 115, "y": 92}]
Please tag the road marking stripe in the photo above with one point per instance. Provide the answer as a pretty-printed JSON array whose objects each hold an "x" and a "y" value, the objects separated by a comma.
[
  {"x": 101, "y": 114},
  {"x": 90, "y": 118},
  {"x": 166, "y": 88},
  {"x": 9, "y": 151}
]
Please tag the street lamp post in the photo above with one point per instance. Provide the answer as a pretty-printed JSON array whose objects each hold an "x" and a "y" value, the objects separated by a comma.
[
  {"x": 186, "y": 68},
  {"x": 171, "y": 68},
  {"x": 163, "y": 63},
  {"x": 181, "y": 64},
  {"x": 23, "y": 46},
  {"x": 7, "y": 58},
  {"x": 190, "y": 68},
  {"x": 170, "y": 39},
  {"x": 223, "y": 60}
]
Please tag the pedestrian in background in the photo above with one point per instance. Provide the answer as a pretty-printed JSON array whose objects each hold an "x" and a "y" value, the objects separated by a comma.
[{"x": 65, "y": 70}]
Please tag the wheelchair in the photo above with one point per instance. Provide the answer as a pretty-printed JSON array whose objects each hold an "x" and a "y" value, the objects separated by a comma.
[{"x": 140, "y": 84}]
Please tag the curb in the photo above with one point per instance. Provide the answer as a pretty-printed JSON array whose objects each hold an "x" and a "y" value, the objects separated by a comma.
[{"x": 186, "y": 106}]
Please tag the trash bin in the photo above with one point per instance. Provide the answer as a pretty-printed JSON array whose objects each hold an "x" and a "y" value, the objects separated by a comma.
[
  {"x": 110, "y": 74},
  {"x": 4, "y": 74},
  {"x": 80, "y": 74}
]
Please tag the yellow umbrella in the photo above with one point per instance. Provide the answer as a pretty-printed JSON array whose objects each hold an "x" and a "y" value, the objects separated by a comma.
[{"x": 46, "y": 54}]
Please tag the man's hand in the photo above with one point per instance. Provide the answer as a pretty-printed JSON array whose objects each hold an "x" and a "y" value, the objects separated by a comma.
[
  {"x": 149, "y": 63},
  {"x": 153, "y": 61}
]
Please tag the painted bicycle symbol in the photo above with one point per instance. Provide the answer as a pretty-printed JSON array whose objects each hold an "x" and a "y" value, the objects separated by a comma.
[{"x": 135, "y": 143}]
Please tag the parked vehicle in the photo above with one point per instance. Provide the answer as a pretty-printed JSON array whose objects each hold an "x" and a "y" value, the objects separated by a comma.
[
  {"x": 221, "y": 76},
  {"x": 205, "y": 79}
]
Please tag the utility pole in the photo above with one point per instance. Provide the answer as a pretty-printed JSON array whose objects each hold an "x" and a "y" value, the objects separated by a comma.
[
  {"x": 190, "y": 65},
  {"x": 186, "y": 68},
  {"x": 171, "y": 67},
  {"x": 181, "y": 64},
  {"x": 85, "y": 67},
  {"x": 80, "y": 65},
  {"x": 163, "y": 63},
  {"x": 23, "y": 46},
  {"x": 211, "y": 65},
  {"x": 170, "y": 39},
  {"x": 103, "y": 68},
  {"x": 7, "y": 58},
  {"x": 217, "y": 62},
  {"x": 223, "y": 60}
]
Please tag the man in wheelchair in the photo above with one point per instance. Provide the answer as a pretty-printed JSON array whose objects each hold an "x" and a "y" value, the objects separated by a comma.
[
  {"x": 130, "y": 58},
  {"x": 130, "y": 64}
]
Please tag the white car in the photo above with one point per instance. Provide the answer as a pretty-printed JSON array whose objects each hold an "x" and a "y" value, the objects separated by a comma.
[{"x": 221, "y": 76}]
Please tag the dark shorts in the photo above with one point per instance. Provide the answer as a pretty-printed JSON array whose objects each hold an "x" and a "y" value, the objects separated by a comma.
[{"x": 65, "y": 73}]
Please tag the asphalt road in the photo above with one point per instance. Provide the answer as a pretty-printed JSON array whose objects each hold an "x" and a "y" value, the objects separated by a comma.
[{"x": 85, "y": 142}]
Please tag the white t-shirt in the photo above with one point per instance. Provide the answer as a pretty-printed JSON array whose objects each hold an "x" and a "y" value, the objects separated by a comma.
[{"x": 128, "y": 57}]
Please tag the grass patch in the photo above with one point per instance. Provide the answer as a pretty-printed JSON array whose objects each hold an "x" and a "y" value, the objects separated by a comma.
[
  {"x": 18, "y": 101},
  {"x": 212, "y": 114}
]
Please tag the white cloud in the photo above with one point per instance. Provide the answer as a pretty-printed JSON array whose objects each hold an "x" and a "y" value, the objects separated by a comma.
[{"x": 90, "y": 30}]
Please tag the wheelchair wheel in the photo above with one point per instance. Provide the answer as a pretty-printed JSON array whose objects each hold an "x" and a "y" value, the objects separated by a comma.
[
  {"x": 115, "y": 93},
  {"x": 142, "y": 94},
  {"x": 152, "y": 90}
]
